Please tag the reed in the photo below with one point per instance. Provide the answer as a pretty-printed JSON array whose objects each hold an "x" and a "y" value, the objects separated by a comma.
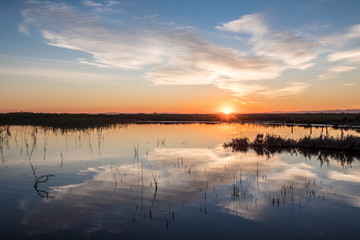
[
  {"x": 271, "y": 141},
  {"x": 156, "y": 181},
  {"x": 344, "y": 148}
]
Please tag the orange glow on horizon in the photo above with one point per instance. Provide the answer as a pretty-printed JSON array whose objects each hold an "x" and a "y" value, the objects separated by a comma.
[{"x": 227, "y": 111}]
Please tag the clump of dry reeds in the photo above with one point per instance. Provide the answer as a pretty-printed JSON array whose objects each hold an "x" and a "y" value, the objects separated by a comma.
[
  {"x": 345, "y": 148},
  {"x": 351, "y": 143}
]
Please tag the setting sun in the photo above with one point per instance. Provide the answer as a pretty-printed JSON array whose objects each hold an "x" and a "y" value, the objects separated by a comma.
[{"x": 227, "y": 111}]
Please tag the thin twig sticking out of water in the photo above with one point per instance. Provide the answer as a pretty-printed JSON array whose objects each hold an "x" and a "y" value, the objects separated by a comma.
[
  {"x": 100, "y": 140},
  {"x": 1, "y": 151},
  {"x": 156, "y": 181},
  {"x": 115, "y": 182},
  {"x": 257, "y": 174},
  {"x": 45, "y": 144},
  {"x": 90, "y": 146},
  {"x": 62, "y": 159},
  {"x": 1, "y": 146},
  {"x": 136, "y": 152},
  {"x": 34, "y": 133},
  {"x": 42, "y": 179}
]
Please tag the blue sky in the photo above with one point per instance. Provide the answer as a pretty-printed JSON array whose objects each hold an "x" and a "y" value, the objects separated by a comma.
[{"x": 246, "y": 55}]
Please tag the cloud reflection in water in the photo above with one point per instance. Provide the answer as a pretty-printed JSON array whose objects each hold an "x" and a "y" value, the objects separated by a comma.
[{"x": 199, "y": 178}]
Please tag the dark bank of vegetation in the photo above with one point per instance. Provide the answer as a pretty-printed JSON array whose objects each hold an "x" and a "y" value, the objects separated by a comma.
[
  {"x": 346, "y": 149},
  {"x": 65, "y": 120},
  {"x": 88, "y": 120}
]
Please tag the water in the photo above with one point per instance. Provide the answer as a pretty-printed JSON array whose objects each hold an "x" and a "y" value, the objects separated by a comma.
[{"x": 171, "y": 182}]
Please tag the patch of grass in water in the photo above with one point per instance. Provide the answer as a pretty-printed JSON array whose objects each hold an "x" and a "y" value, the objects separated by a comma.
[{"x": 344, "y": 148}]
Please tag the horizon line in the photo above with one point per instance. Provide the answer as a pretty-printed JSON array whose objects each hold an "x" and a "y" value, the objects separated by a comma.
[{"x": 219, "y": 112}]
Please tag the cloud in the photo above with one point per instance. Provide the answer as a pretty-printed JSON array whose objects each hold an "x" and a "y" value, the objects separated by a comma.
[
  {"x": 290, "y": 90},
  {"x": 348, "y": 60},
  {"x": 352, "y": 33},
  {"x": 247, "y": 89},
  {"x": 92, "y": 4},
  {"x": 104, "y": 7},
  {"x": 241, "y": 89},
  {"x": 350, "y": 55},
  {"x": 23, "y": 29},
  {"x": 340, "y": 69},
  {"x": 58, "y": 74},
  {"x": 339, "y": 176},
  {"x": 349, "y": 84},
  {"x": 335, "y": 71},
  {"x": 64, "y": 27},
  {"x": 91, "y": 63},
  {"x": 209, "y": 64},
  {"x": 252, "y": 24},
  {"x": 171, "y": 54},
  {"x": 288, "y": 48}
]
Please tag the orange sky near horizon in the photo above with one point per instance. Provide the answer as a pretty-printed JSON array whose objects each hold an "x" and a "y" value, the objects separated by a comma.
[
  {"x": 37, "y": 94},
  {"x": 172, "y": 100}
]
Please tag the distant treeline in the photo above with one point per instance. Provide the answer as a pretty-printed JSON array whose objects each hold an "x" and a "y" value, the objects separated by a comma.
[{"x": 88, "y": 120}]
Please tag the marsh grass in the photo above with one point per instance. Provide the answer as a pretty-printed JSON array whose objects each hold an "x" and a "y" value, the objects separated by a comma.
[
  {"x": 345, "y": 148},
  {"x": 272, "y": 141}
]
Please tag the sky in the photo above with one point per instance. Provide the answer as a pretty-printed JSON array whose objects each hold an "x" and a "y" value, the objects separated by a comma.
[{"x": 179, "y": 56}]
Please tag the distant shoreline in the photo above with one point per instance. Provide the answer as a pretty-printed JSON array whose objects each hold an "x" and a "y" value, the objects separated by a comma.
[{"x": 64, "y": 120}]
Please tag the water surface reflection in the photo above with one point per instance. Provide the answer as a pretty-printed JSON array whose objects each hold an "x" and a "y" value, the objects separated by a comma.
[{"x": 171, "y": 181}]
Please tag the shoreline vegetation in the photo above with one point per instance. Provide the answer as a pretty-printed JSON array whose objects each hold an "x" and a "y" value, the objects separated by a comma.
[
  {"x": 66, "y": 120},
  {"x": 346, "y": 148}
]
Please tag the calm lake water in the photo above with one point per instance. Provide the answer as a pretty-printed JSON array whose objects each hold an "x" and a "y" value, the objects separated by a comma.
[{"x": 171, "y": 182}]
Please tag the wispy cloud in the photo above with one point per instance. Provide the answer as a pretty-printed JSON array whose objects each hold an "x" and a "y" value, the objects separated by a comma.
[
  {"x": 292, "y": 89},
  {"x": 91, "y": 3},
  {"x": 350, "y": 55},
  {"x": 344, "y": 177},
  {"x": 290, "y": 49},
  {"x": 335, "y": 71},
  {"x": 174, "y": 55},
  {"x": 42, "y": 74},
  {"x": 343, "y": 53},
  {"x": 340, "y": 39},
  {"x": 251, "y": 24},
  {"x": 23, "y": 29},
  {"x": 64, "y": 27},
  {"x": 50, "y": 70},
  {"x": 348, "y": 60},
  {"x": 349, "y": 84},
  {"x": 209, "y": 64},
  {"x": 104, "y": 6},
  {"x": 241, "y": 89}
]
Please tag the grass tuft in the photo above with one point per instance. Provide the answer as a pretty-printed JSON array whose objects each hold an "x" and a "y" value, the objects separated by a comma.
[{"x": 344, "y": 148}]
